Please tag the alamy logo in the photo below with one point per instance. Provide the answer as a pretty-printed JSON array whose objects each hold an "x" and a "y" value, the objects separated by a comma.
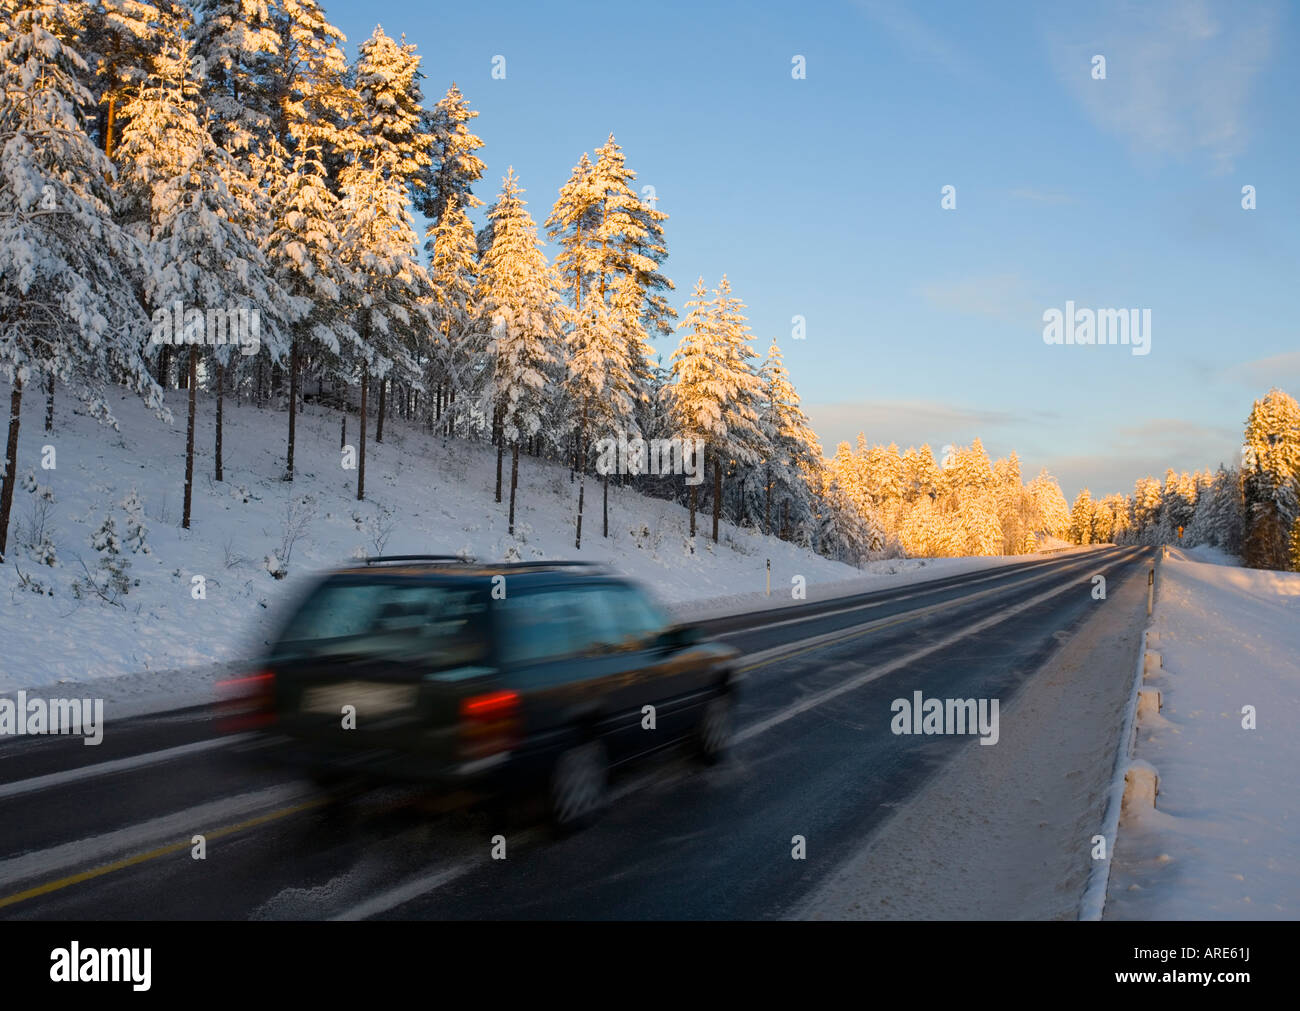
[
  {"x": 660, "y": 457},
  {"x": 946, "y": 716},
  {"x": 75, "y": 964},
  {"x": 1100, "y": 326},
  {"x": 176, "y": 324},
  {"x": 25, "y": 716}
]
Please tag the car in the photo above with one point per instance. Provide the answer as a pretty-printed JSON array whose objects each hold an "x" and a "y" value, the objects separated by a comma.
[{"x": 542, "y": 675}]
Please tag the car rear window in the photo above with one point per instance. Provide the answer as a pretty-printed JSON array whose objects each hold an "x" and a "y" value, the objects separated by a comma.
[{"x": 448, "y": 625}]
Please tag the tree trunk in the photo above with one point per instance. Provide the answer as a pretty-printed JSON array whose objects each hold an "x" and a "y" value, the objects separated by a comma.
[
  {"x": 343, "y": 429},
  {"x": 514, "y": 482},
  {"x": 192, "y": 381},
  {"x": 383, "y": 402},
  {"x": 221, "y": 403},
  {"x": 361, "y": 445},
  {"x": 605, "y": 506},
  {"x": 110, "y": 129},
  {"x": 496, "y": 437},
  {"x": 164, "y": 365},
  {"x": 11, "y": 463},
  {"x": 694, "y": 487},
  {"x": 767, "y": 504},
  {"x": 581, "y": 465},
  {"x": 717, "y": 499},
  {"x": 293, "y": 404},
  {"x": 451, "y": 416},
  {"x": 49, "y": 404}
]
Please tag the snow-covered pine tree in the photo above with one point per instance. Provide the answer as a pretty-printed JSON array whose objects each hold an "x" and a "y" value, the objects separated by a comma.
[
  {"x": 388, "y": 296},
  {"x": 631, "y": 238},
  {"x": 389, "y": 125},
  {"x": 1081, "y": 514},
  {"x": 119, "y": 39},
  {"x": 201, "y": 255},
  {"x": 520, "y": 294},
  {"x": 239, "y": 47},
  {"x": 456, "y": 369},
  {"x": 694, "y": 398},
  {"x": 452, "y": 168},
  {"x": 313, "y": 125},
  {"x": 1271, "y": 480},
  {"x": 388, "y": 89},
  {"x": 717, "y": 393},
  {"x": 795, "y": 457},
  {"x": 68, "y": 272},
  {"x": 1050, "y": 513}
]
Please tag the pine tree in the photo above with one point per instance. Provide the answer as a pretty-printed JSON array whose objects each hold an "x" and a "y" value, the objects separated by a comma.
[
  {"x": 1081, "y": 518},
  {"x": 520, "y": 294},
  {"x": 456, "y": 364},
  {"x": 201, "y": 255},
  {"x": 305, "y": 250},
  {"x": 791, "y": 467},
  {"x": 452, "y": 168},
  {"x": 389, "y": 289},
  {"x": 68, "y": 272},
  {"x": 1271, "y": 479}
]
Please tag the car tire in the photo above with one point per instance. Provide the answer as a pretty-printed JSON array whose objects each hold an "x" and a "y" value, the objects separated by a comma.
[
  {"x": 576, "y": 794},
  {"x": 713, "y": 732}
]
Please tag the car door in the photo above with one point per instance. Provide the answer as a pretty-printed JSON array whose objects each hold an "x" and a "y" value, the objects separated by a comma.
[{"x": 655, "y": 672}]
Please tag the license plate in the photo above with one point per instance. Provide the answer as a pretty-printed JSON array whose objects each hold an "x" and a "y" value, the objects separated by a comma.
[{"x": 368, "y": 699}]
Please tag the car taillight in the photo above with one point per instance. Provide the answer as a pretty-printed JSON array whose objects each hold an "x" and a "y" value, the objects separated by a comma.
[
  {"x": 246, "y": 703},
  {"x": 489, "y": 724}
]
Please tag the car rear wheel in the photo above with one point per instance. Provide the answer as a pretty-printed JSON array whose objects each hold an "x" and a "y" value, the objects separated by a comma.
[
  {"x": 713, "y": 734},
  {"x": 577, "y": 786}
]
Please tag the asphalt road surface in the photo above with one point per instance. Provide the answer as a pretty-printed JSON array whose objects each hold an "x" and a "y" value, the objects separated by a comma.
[{"x": 109, "y": 832}]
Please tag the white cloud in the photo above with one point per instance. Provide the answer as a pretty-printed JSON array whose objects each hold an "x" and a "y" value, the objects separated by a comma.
[{"x": 1178, "y": 73}]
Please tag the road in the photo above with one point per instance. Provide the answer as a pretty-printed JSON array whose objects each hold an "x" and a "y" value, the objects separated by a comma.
[{"x": 108, "y": 832}]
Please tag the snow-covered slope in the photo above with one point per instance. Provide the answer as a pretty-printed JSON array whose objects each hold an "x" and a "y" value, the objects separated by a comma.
[
  {"x": 1223, "y": 841},
  {"x": 427, "y": 494}
]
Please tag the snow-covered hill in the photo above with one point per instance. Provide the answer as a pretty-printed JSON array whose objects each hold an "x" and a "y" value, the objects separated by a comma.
[{"x": 424, "y": 495}]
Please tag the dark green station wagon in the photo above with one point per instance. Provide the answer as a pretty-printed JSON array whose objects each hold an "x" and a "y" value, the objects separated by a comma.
[{"x": 468, "y": 675}]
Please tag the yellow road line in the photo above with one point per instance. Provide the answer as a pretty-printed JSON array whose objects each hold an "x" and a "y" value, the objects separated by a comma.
[{"x": 161, "y": 851}]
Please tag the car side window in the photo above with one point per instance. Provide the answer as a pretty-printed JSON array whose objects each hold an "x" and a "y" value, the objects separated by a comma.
[
  {"x": 628, "y": 619},
  {"x": 542, "y": 625}
]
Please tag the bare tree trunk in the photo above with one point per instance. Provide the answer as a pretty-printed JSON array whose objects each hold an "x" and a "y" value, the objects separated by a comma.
[
  {"x": 343, "y": 429},
  {"x": 221, "y": 403},
  {"x": 717, "y": 499},
  {"x": 49, "y": 404},
  {"x": 293, "y": 405},
  {"x": 383, "y": 402},
  {"x": 192, "y": 381},
  {"x": 11, "y": 463},
  {"x": 767, "y": 504},
  {"x": 693, "y": 502},
  {"x": 451, "y": 417},
  {"x": 361, "y": 448},
  {"x": 514, "y": 481},
  {"x": 606, "y": 504},
  {"x": 581, "y": 465},
  {"x": 164, "y": 365},
  {"x": 496, "y": 437}
]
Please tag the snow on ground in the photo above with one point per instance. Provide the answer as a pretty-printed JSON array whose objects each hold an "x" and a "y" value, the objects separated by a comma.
[
  {"x": 1224, "y": 839},
  {"x": 429, "y": 494}
]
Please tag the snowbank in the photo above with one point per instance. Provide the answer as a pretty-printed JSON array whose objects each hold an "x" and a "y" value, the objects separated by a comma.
[{"x": 1223, "y": 841}]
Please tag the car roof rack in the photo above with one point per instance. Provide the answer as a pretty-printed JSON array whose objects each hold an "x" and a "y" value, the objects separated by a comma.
[
  {"x": 542, "y": 564},
  {"x": 381, "y": 559}
]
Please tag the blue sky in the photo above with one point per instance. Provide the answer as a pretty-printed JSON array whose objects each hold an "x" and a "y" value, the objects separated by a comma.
[{"x": 821, "y": 197}]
